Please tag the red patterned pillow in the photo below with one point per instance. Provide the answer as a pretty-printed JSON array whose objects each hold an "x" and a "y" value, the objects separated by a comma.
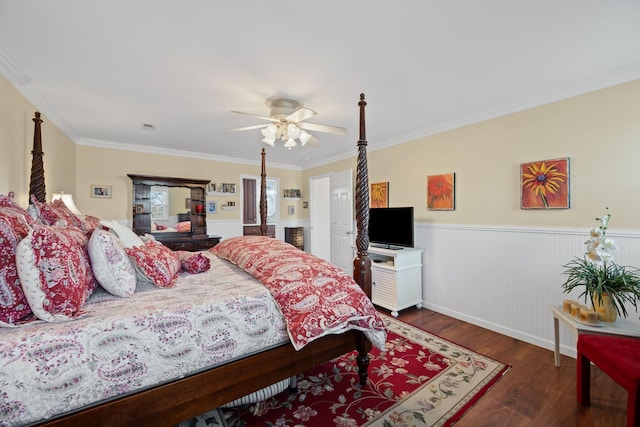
[
  {"x": 155, "y": 262},
  {"x": 193, "y": 263},
  {"x": 55, "y": 271},
  {"x": 184, "y": 226},
  {"x": 55, "y": 213},
  {"x": 14, "y": 226}
]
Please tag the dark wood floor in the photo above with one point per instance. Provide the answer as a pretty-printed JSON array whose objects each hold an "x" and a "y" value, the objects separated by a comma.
[{"x": 534, "y": 392}]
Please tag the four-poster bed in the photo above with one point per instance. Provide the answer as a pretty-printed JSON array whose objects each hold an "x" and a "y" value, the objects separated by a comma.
[{"x": 172, "y": 402}]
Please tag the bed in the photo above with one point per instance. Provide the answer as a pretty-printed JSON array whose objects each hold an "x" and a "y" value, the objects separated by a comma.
[{"x": 189, "y": 379}]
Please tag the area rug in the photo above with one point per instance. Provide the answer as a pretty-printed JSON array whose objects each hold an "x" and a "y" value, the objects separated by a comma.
[{"x": 419, "y": 380}]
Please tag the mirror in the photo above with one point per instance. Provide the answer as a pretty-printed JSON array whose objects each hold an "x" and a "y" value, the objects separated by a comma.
[{"x": 168, "y": 206}]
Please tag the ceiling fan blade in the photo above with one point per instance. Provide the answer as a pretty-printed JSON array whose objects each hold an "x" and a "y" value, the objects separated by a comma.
[
  {"x": 314, "y": 141},
  {"x": 253, "y": 115},
  {"x": 323, "y": 128},
  {"x": 302, "y": 113},
  {"x": 247, "y": 128}
]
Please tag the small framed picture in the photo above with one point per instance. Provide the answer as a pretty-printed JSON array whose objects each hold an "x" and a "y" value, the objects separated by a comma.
[
  {"x": 211, "y": 207},
  {"x": 291, "y": 210},
  {"x": 228, "y": 188},
  {"x": 101, "y": 191}
]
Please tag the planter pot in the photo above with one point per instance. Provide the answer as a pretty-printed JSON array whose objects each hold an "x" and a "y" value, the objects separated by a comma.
[{"x": 606, "y": 311}]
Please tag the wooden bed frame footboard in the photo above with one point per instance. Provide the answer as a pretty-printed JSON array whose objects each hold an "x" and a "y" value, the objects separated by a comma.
[{"x": 171, "y": 403}]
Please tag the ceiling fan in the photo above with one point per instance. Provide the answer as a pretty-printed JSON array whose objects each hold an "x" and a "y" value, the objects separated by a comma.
[{"x": 287, "y": 123}]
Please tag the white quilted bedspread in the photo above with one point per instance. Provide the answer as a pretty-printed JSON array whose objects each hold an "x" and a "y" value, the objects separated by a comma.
[{"x": 123, "y": 345}]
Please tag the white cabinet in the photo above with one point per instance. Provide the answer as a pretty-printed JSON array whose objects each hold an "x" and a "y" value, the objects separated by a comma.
[{"x": 396, "y": 278}]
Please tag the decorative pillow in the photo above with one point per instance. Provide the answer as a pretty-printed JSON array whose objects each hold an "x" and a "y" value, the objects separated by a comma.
[
  {"x": 193, "y": 263},
  {"x": 111, "y": 265},
  {"x": 128, "y": 238},
  {"x": 90, "y": 223},
  {"x": 184, "y": 226},
  {"x": 7, "y": 202},
  {"x": 14, "y": 226},
  {"x": 155, "y": 262},
  {"x": 55, "y": 271},
  {"x": 58, "y": 214},
  {"x": 55, "y": 213}
]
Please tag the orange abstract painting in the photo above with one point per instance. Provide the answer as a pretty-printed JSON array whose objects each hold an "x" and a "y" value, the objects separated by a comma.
[
  {"x": 441, "y": 192},
  {"x": 545, "y": 184},
  {"x": 380, "y": 195}
]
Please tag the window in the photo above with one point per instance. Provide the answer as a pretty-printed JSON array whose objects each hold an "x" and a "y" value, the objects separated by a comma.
[
  {"x": 251, "y": 200},
  {"x": 272, "y": 197},
  {"x": 159, "y": 203}
]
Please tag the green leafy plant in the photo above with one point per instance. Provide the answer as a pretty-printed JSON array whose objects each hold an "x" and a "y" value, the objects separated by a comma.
[{"x": 598, "y": 274}]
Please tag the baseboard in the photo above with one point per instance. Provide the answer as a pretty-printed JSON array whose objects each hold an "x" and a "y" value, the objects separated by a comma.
[{"x": 531, "y": 339}]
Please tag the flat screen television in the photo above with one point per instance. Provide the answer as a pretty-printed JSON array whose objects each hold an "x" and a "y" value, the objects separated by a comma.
[{"x": 391, "y": 228}]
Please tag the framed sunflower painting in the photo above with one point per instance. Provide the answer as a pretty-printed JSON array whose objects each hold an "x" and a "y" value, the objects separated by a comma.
[
  {"x": 441, "y": 192},
  {"x": 380, "y": 195},
  {"x": 545, "y": 184}
]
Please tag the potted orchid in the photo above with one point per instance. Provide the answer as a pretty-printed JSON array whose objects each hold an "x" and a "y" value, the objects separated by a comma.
[{"x": 603, "y": 282}]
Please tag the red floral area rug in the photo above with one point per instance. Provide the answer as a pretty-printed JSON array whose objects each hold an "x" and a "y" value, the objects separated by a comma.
[{"x": 419, "y": 380}]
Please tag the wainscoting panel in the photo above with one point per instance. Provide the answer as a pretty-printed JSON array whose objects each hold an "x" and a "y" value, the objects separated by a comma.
[{"x": 506, "y": 279}]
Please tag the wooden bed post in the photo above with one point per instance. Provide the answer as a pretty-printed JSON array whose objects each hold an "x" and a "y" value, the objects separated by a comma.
[
  {"x": 263, "y": 196},
  {"x": 362, "y": 262},
  {"x": 36, "y": 184}
]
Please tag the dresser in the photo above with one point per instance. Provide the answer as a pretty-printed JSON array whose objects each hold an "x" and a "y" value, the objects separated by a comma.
[
  {"x": 295, "y": 236},
  {"x": 187, "y": 243}
]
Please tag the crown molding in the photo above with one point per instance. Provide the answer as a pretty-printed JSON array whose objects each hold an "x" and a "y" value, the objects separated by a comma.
[
  {"x": 22, "y": 83},
  {"x": 620, "y": 76},
  {"x": 89, "y": 142}
]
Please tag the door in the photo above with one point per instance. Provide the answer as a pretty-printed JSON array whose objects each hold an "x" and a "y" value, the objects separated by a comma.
[
  {"x": 320, "y": 216},
  {"x": 249, "y": 209},
  {"x": 342, "y": 220}
]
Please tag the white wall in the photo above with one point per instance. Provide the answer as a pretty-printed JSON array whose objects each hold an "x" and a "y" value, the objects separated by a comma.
[{"x": 507, "y": 278}]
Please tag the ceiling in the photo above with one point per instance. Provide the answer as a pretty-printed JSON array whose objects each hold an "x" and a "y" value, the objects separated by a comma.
[{"x": 100, "y": 70}]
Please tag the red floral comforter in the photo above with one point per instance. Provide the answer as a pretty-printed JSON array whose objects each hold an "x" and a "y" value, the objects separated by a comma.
[{"x": 316, "y": 297}]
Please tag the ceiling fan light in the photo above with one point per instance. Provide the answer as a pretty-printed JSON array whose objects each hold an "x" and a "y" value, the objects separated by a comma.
[
  {"x": 304, "y": 137},
  {"x": 290, "y": 143},
  {"x": 269, "y": 141},
  {"x": 293, "y": 130},
  {"x": 270, "y": 131}
]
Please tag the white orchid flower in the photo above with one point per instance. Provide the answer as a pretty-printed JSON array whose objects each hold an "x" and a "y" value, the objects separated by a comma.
[
  {"x": 593, "y": 257},
  {"x": 604, "y": 220},
  {"x": 596, "y": 232},
  {"x": 609, "y": 245}
]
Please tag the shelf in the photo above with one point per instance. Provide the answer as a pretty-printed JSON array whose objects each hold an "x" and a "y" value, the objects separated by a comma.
[
  {"x": 221, "y": 194},
  {"x": 228, "y": 208},
  {"x": 292, "y": 198}
]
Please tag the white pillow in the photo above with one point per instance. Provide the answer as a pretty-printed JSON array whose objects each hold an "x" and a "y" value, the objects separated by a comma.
[
  {"x": 128, "y": 238},
  {"x": 111, "y": 265}
]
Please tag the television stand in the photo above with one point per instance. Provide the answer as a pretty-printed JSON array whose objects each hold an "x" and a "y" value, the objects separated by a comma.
[{"x": 396, "y": 278}]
